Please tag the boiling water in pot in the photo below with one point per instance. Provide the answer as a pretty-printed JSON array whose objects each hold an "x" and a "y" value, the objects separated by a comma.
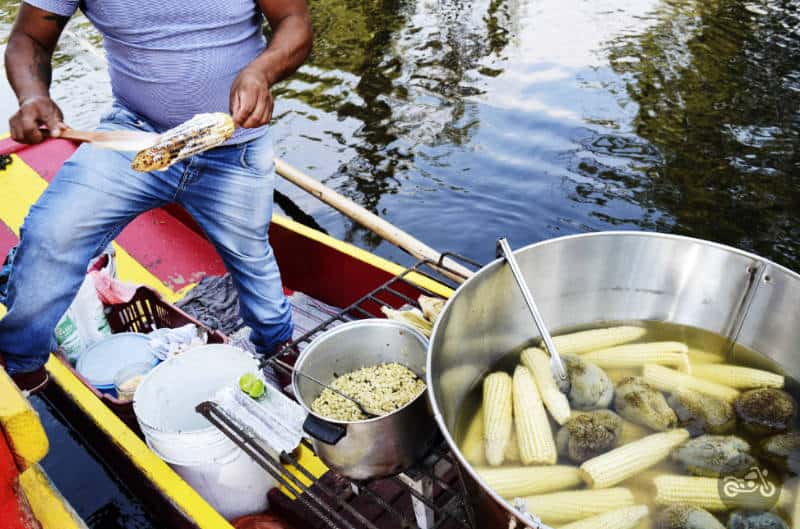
[{"x": 729, "y": 468}]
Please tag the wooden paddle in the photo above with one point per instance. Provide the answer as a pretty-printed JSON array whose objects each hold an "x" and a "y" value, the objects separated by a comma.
[{"x": 369, "y": 220}]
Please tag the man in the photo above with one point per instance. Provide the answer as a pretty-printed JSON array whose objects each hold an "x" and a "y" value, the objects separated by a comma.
[{"x": 168, "y": 60}]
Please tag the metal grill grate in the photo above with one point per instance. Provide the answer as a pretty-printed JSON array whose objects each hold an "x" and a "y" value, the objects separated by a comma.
[{"x": 427, "y": 496}]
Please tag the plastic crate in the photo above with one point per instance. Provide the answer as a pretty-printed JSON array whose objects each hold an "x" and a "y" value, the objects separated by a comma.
[{"x": 145, "y": 312}]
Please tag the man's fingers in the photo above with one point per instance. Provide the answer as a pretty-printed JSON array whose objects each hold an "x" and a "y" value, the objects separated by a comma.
[
  {"x": 256, "y": 116},
  {"x": 16, "y": 130},
  {"x": 53, "y": 125},
  {"x": 30, "y": 128},
  {"x": 247, "y": 102},
  {"x": 234, "y": 102}
]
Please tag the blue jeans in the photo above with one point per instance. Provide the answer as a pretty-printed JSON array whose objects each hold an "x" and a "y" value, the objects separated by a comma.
[{"x": 227, "y": 190}]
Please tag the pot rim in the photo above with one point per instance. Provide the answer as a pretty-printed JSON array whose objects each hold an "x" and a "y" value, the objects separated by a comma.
[
  {"x": 434, "y": 401},
  {"x": 345, "y": 327}
]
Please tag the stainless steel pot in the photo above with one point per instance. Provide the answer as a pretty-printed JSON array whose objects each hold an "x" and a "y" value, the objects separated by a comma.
[
  {"x": 602, "y": 277},
  {"x": 376, "y": 447}
]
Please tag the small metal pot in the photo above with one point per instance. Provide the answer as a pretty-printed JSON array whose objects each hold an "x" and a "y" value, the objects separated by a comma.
[{"x": 376, "y": 447}]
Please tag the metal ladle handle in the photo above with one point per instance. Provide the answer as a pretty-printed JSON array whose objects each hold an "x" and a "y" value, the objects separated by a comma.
[{"x": 556, "y": 364}]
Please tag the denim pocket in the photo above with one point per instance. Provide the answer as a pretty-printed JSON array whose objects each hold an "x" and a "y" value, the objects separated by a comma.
[{"x": 257, "y": 155}]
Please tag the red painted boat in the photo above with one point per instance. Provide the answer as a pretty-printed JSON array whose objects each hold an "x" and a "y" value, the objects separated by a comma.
[{"x": 166, "y": 251}]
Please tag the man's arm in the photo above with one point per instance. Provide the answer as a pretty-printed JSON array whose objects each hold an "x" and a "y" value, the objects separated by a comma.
[
  {"x": 251, "y": 98},
  {"x": 28, "y": 54}
]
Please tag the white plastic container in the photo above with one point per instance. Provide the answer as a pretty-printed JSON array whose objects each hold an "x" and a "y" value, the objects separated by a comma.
[{"x": 165, "y": 405}]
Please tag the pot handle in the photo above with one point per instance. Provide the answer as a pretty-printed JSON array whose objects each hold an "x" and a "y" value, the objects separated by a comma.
[{"x": 327, "y": 432}]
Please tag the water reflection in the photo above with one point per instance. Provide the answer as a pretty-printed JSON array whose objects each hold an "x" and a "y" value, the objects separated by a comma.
[
  {"x": 462, "y": 120},
  {"x": 718, "y": 90}
]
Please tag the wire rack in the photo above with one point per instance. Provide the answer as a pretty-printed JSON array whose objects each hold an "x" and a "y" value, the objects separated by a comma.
[{"x": 431, "y": 495}]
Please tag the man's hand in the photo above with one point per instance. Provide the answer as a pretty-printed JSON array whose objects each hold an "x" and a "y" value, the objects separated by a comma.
[
  {"x": 32, "y": 114},
  {"x": 251, "y": 99}
]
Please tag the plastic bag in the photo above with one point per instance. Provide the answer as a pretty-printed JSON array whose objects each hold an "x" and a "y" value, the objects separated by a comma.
[
  {"x": 85, "y": 321},
  {"x": 111, "y": 290}
]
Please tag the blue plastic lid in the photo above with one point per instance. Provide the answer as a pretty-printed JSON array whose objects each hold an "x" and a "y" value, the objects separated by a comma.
[{"x": 100, "y": 362}]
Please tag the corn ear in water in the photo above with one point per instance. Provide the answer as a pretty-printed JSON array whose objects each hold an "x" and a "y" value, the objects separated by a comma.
[
  {"x": 625, "y": 518},
  {"x": 606, "y": 470},
  {"x": 472, "y": 444},
  {"x": 512, "y": 454},
  {"x": 585, "y": 341},
  {"x": 556, "y": 402},
  {"x": 562, "y": 507},
  {"x": 201, "y": 133},
  {"x": 411, "y": 316},
  {"x": 535, "y": 439},
  {"x": 739, "y": 377},
  {"x": 510, "y": 482},
  {"x": 497, "y": 416},
  {"x": 705, "y": 493}
]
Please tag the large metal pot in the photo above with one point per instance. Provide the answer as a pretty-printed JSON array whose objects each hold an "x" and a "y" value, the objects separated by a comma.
[
  {"x": 602, "y": 277},
  {"x": 376, "y": 447}
]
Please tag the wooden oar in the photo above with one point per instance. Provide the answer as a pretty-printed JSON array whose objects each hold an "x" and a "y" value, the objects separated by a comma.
[{"x": 369, "y": 220}]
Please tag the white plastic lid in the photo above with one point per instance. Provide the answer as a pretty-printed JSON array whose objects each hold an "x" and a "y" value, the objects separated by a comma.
[{"x": 101, "y": 361}]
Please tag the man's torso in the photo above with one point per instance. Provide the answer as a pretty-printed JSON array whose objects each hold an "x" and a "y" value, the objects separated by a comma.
[{"x": 169, "y": 60}]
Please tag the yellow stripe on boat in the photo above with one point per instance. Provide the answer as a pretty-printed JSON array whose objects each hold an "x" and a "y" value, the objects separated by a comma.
[
  {"x": 21, "y": 424},
  {"x": 170, "y": 484},
  {"x": 49, "y": 507}
]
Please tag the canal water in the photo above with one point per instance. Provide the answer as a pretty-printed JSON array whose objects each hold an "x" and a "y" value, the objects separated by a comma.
[{"x": 465, "y": 120}]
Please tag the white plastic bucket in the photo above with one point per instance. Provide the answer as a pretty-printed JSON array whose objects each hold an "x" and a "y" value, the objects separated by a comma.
[{"x": 165, "y": 405}]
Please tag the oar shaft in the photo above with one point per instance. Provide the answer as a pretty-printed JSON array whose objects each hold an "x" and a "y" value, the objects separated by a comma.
[{"x": 366, "y": 218}]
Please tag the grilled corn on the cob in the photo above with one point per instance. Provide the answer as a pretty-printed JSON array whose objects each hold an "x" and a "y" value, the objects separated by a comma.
[{"x": 201, "y": 133}]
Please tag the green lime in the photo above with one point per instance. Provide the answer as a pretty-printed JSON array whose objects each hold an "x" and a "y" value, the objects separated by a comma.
[{"x": 252, "y": 385}]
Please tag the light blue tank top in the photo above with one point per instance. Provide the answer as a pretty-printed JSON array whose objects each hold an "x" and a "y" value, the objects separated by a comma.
[{"x": 171, "y": 59}]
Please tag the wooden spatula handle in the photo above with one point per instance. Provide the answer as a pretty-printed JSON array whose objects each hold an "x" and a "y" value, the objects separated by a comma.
[{"x": 78, "y": 135}]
